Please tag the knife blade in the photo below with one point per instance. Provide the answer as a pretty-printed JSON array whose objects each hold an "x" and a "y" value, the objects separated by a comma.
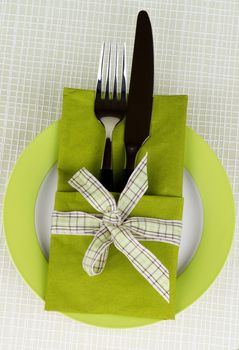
[{"x": 140, "y": 98}]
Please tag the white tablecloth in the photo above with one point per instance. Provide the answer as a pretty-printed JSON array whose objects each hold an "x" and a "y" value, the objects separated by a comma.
[{"x": 46, "y": 45}]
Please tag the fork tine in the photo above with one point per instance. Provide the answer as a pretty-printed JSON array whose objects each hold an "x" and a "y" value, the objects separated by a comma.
[
  {"x": 107, "y": 88},
  {"x": 100, "y": 70},
  {"x": 123, "y": 86},
  {"x": 116, "y": 74}
]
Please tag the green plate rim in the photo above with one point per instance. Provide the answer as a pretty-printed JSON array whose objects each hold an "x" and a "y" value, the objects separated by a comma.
[{"x": 201, "y": 162}]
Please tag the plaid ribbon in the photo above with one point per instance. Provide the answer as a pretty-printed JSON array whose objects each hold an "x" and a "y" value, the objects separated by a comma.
[{"x": 113, "y": 226}]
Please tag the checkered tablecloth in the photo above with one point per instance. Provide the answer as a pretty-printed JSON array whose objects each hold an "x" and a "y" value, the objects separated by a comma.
[{"x": 46, "y": 45}]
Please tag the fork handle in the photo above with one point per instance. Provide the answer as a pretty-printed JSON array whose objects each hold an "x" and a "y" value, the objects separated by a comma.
[
  {"x": 106, "y": 173},
  {"x": 106, "y": 178}
]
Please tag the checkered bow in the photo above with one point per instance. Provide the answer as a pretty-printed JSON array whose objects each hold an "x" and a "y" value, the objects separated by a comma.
[{"x": 114, "y": 226}]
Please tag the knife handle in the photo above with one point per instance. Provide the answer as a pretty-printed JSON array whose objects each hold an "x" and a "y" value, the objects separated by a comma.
[
  {"x": 106, "y": 173},
  {"x": 131, "y": 152}
]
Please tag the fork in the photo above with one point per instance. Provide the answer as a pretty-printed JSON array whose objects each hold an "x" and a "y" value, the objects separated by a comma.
[{"x": 110, "y": 108}]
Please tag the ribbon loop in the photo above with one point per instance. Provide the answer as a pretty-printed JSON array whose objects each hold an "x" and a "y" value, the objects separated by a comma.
[
  {"x": 96, "y": 255},
  {"x": 93, "y": 191}
]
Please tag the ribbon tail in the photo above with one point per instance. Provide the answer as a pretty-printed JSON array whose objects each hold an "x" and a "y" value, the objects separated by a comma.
[
  {"x": 96, "y": 255},
  {"x": 143, "y": 260}
]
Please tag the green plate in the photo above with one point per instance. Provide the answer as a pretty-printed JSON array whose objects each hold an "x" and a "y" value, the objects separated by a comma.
[{"x": 218, "y": 227}]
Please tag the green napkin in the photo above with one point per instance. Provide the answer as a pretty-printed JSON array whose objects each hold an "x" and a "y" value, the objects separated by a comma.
[{"x": 120, "y": 289}]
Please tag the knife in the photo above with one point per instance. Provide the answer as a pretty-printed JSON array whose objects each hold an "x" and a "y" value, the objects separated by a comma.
[{"x": 140, "y": 98}]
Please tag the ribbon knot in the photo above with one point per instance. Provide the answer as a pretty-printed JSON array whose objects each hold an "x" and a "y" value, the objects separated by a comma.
[
  {"x": 112, "y": 218},
  {"x": 115, "y": 227}
]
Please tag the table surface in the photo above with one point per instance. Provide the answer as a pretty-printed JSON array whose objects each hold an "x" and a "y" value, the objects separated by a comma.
[{"x": 47, "y": 45}]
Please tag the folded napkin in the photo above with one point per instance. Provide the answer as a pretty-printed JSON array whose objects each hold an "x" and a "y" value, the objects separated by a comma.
[{"x": 119, "y": 288}]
